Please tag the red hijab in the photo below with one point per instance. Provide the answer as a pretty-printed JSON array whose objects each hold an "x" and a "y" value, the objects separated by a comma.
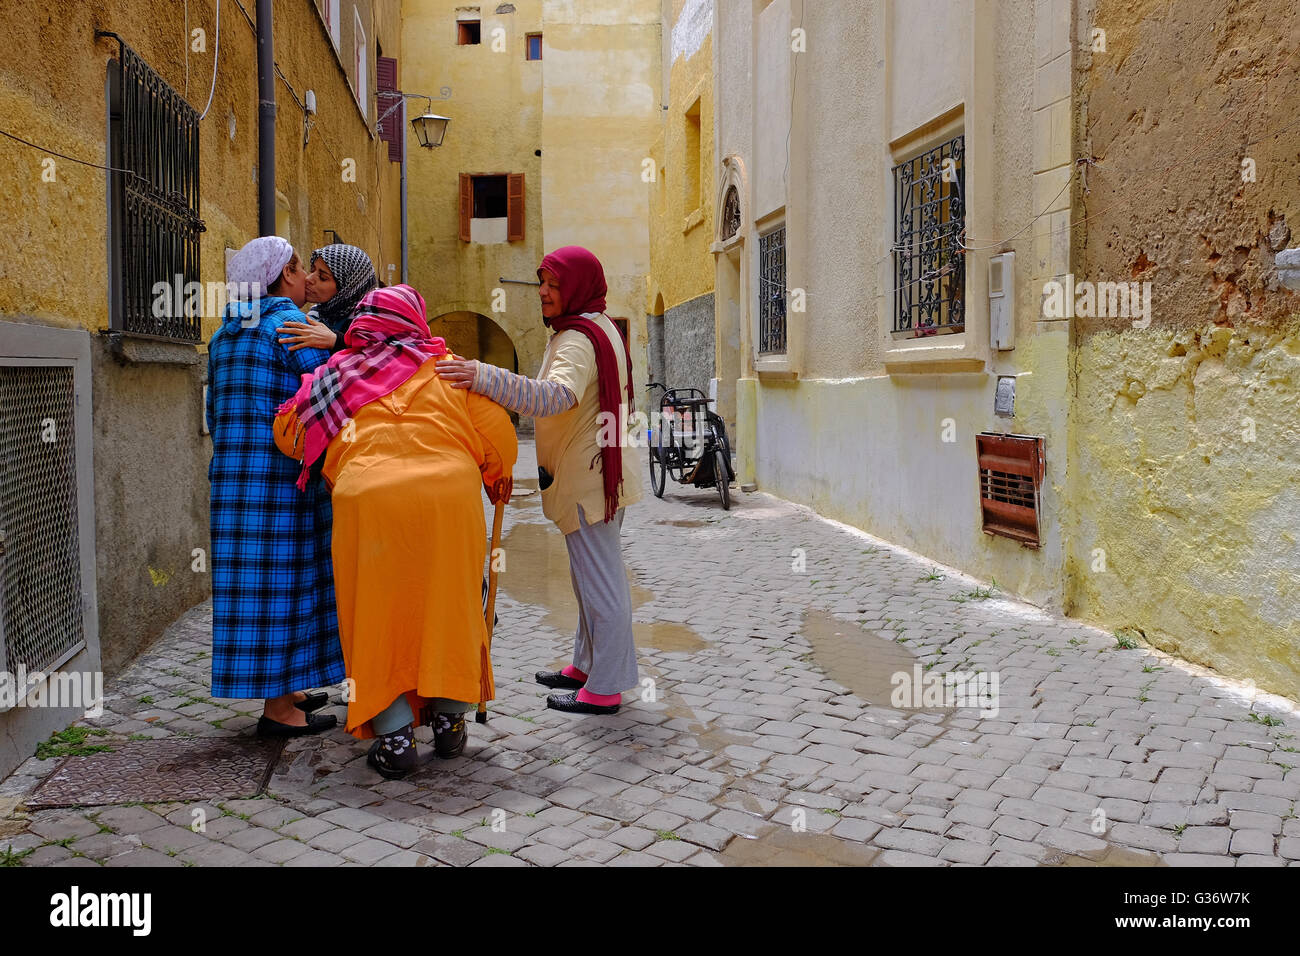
[{"x": 582, "y": 288}]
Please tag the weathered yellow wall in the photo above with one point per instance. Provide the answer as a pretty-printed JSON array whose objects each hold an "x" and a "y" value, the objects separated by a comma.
[
  {"x": 600, "y": 114},
  {"x": 587, "y": 106},
  {"x": 149, "y": 455},
  {"x": 52, "y": 92},
  {"x": 496, "y": 127},
  {"x": 681, "y": 267},
  {"x": 1197, "y": 523}
]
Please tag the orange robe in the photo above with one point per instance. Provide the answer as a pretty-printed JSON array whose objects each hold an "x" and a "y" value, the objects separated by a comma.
[{"x": 410, "y": 540}]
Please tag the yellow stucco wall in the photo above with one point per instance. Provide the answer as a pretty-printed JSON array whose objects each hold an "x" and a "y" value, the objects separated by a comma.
[
  {"x": 496, "y": 127},
  {"x": 1186, "y": 527},
  {"x": 681, "y": 267},
  {"x": 52, "y": 92},
  {"x": 588, "y": 106}
]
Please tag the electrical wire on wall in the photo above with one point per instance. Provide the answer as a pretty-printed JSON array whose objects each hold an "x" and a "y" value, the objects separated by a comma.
[{"x": 216, "y": 55}]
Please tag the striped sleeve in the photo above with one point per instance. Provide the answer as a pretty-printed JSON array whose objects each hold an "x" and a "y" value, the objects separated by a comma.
[{"x": 521, "y": 394}]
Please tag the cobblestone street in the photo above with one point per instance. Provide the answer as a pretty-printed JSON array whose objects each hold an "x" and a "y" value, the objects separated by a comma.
[{"x": 770, "y": 738}]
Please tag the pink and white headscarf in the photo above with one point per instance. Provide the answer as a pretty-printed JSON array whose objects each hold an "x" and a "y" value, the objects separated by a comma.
[{"x": 387, "y": 343}]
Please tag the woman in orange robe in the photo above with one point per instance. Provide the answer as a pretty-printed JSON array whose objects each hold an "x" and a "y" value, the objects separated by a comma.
[{"x": 404, "y": 456}]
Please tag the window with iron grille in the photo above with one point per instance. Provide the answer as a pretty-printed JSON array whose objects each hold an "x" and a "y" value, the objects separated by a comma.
[
  {"x": 771, "y": 292},
  {"x": 154, "y": 203},
  {"x": 929, "y": 226}
]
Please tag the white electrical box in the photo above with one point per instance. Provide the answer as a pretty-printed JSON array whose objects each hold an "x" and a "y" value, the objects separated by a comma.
[{"x": 1002, "y": 301}]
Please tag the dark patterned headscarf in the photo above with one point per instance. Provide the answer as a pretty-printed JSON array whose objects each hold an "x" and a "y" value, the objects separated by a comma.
[{"x": 355, "y": 275}]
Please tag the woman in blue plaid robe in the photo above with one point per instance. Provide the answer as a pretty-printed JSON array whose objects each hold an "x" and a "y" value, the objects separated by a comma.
[{"x": 275, "y": 631}]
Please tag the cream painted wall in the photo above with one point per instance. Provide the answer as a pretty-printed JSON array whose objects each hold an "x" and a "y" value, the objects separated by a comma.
[
  {"x": 858, "y": 440},
  {"x": 930, "y": 47},
  {"x": 772, "y": 108}
]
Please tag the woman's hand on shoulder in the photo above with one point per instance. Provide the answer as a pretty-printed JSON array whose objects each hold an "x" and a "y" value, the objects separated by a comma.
[
  {"x": 311, "y": 334},
  {"x": 457, "y": 372}
]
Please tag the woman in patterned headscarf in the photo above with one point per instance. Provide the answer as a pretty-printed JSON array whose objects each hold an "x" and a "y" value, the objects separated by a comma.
[
  {"x": 405, "y": 456},
  {"x": 340, "y": 277}
]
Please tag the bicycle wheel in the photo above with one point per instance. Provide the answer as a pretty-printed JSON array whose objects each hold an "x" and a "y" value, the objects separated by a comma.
[
  {"x": 658, "y": 469},
  {"x": 720, "y": 477}
]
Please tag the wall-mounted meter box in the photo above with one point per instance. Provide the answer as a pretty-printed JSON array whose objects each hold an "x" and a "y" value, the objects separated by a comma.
[{"x": 1002, "y": 302}]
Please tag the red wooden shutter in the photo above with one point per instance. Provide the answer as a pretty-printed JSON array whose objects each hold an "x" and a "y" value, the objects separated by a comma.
[
  {"x": 466, "y": 205},
  {"x": 515, "y": 206},
  {"x": 391, "y": 129}
]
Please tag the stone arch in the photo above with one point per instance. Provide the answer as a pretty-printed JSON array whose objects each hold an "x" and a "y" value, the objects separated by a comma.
[
  {"x": 654, "y": 346},
  {"x": 476, "y": 336},
  {"x": 732, "y": 205}
]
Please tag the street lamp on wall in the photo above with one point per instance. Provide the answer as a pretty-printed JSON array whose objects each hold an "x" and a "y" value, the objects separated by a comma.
[{"x": 430, "y": 128}]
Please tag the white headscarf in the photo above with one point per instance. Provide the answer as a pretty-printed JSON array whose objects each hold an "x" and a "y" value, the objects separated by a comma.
[{"x": 259, "y": 263}]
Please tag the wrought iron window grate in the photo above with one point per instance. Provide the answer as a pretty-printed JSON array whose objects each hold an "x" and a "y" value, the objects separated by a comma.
[
  {"x": 929, "y": 224},
  {"x": 771, "y": 292},
  {"x": 40, "y": 567},
  {"x": 154, "y": 135}
]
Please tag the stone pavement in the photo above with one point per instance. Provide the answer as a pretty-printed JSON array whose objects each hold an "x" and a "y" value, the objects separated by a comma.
[{"x": 769, "y": 739}]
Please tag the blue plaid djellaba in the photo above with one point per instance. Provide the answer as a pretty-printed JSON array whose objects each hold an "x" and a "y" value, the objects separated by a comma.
[{"x": 274, "y": 625}]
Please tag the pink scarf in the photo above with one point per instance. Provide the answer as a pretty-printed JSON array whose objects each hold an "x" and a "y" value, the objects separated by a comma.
[{"x": 387, "y": 341}]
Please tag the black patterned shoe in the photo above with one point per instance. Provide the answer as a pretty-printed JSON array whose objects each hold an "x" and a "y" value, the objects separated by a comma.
[
  {"x": 394, "y": 755},
  {"x": 557, "y": 680},
  {"x": 569, "y": 704},
  {"x": 449, "y": 735}
]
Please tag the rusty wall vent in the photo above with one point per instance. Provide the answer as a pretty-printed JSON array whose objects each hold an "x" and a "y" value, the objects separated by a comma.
[{"x": 1011, "y": 477}]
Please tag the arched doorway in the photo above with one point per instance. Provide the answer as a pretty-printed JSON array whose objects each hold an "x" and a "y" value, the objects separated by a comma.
[
  {"x": 655, "y": 356},
  {"x": 475, "y": 336}
]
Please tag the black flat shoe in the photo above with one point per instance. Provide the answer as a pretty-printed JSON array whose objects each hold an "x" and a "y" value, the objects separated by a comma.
[
  {"x": 315, "y": 700},
  {"x": 316, "y": 723},
  {"x": 569, "y": 704},
  {"x": 557, "y": 680}
]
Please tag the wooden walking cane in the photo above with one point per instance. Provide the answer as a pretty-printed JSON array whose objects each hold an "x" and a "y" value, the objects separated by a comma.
[{"x": 489, "y": 613}]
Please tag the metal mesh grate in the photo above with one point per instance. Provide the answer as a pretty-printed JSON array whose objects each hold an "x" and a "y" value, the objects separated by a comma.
[{"x": 40, "y": 571}]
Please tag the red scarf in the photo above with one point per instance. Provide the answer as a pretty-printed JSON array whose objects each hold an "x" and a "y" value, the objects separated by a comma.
[
  {"x": 388, "y": 341},
  {"x": 582, "y": 289}
]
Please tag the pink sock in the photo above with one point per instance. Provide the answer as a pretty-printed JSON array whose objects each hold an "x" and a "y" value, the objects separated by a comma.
[
  {"x": 573, "y": 672},
  {"x": 601, "y": 700}
]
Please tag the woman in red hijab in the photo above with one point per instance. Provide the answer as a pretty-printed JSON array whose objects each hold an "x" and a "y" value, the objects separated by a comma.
[{"x": 581, "y": 397}]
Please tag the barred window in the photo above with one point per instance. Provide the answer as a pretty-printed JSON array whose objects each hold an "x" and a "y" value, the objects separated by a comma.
[
  {"x": 154, "y": 222},
  {"x": 771, "y": 292},
  {"x": 929, "y": 226}
]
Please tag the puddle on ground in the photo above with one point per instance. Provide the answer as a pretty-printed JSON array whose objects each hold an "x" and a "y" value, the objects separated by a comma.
[
  {"x": 783, "y": 847},
  {"x": 537, "y": 572},
  {"x": 666, "y": 636},
  {"x": 861, "y": 660},
  {"x": 1112, "y": 856}
]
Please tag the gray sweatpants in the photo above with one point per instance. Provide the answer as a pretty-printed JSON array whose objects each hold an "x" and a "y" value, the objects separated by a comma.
[{"x": 603, "y": 647}]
